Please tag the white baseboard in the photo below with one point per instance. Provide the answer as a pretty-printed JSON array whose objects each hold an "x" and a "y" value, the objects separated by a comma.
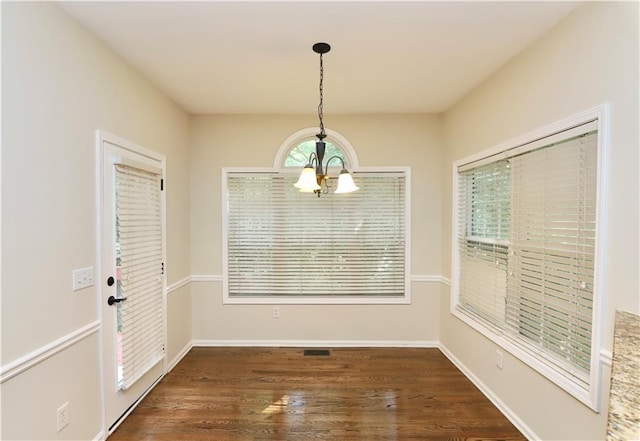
[
  {"x": 99, "y": 437},
  {"x": 318, "y": 343},
  {"x": 180, "y": 356},
  {"x": 502, "y": 407}
]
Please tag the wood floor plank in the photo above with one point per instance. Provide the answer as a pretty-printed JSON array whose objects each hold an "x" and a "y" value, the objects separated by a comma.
[{"x": 354, "y": 394}]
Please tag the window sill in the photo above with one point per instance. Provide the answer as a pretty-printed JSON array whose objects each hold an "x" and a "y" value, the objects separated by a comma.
[
  {"x": 405, "y": 300},
  {"x": 585, "y": 396}
]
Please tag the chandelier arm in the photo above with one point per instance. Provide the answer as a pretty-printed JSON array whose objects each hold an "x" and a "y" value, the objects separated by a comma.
[
  {"x": 326, "y": 167},
  {"x": 313, "y": 158}
]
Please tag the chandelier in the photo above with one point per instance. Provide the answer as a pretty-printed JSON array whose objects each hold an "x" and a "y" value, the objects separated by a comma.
[{"x": 315, "y": 177}]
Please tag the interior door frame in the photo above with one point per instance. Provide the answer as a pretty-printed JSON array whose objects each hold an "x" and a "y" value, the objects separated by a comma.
[{"x": 101, "y": 137}]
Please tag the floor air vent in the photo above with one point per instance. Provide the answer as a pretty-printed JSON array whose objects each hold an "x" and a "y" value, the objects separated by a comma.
[{"x": 324, "y": 352}]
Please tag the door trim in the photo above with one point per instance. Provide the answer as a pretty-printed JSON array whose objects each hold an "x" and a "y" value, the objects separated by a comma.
[{"x": 101, "y": 137}]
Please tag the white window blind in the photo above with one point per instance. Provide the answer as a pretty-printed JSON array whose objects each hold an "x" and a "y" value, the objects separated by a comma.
[
  {"x": 283, "y": 243},
  {"x": 552, "y": 244},
  {"x": 484, "y": 204},
  {"x": 140, "y": 277},
  {"x": 526, "y": 234}
]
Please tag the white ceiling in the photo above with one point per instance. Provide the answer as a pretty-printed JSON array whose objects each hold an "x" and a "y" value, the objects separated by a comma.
[{"x": 256, "y": 56}]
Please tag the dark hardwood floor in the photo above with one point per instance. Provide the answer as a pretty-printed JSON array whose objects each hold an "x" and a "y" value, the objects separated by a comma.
[{"x": 222, "y": 394}]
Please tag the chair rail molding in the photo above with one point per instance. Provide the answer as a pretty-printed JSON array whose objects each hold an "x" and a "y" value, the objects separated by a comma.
[
  {"x": 179, "y": 284},
  {"x": 41, "y": 354},
  {"x": 424, "y": 278}
]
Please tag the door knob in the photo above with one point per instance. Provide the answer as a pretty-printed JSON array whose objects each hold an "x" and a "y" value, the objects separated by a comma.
[
  {"x": 110, "y": 281},
  {"x": 111, "y": 300}
]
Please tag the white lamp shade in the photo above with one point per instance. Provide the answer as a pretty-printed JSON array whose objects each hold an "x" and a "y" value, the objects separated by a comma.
[
  {"x": 345, "y": 183},
  {"x": 307, "y": 181}
]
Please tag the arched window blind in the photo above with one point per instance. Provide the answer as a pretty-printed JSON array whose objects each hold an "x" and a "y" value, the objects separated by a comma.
[
  {"x": 284, "y": 244},
  {"x": 526, "y": 236}
]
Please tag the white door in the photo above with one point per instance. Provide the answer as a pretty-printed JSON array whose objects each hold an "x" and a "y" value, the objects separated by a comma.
[{"x": 132, "y": 281}]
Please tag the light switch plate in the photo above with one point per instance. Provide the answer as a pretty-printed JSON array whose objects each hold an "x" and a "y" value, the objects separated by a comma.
[{"x": 82, "y": 278}]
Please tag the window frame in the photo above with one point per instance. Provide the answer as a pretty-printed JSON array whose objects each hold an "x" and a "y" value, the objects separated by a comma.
[
  {"x": 532, "y": 357},
  {"x": 301, "y": 300}
]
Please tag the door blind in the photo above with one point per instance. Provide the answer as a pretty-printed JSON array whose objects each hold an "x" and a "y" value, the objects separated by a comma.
[
  {"x": 140, "y": 277},
  {"x": 284, "y": 243}
]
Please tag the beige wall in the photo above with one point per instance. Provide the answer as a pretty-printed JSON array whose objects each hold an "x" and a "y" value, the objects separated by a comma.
[
  {"x": 588, "y": 59},
  {"x": 179, "y": 324},
  {"x": 379, "y": 140},
  {"x": 59, "y": 84}
]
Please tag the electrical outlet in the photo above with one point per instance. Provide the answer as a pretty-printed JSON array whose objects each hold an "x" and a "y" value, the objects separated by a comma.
[
  {"x": 82, "y": 278},
  {"x": 63, "y": 416},
  {"x": 275, "y": 313},
  {"x": 499, "y": 359}
]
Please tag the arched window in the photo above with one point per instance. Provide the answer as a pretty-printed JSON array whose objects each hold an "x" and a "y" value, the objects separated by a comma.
[
  {"x": 295, "y": 150},
  {"x": 299, "y": 154}
]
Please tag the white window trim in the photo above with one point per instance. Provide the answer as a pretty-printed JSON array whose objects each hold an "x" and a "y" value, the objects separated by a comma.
[
  {"x": 406, "y": 299},
  {"x": 591, "y": 397}
]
